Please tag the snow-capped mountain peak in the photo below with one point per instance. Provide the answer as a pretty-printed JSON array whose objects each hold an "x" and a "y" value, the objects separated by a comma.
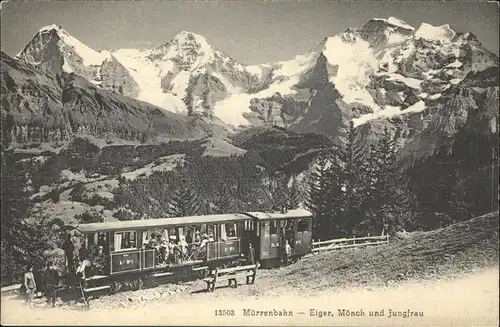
[
  {"x": 67, "y": 42},
  {"x": 188, "y": 50},
  {"x": 429, "y": 32},
  {"x": 49, "y": 28},
  {"x": 54, "y": 48},
  {"x": 188, "y": 38},
  {"x": 384, "y": 68},
  {"x": 396, "y": 22}
]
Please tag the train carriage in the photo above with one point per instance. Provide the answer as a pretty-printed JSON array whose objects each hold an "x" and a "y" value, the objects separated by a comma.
[
  {"x": 128, "y": 251},
  {"x": 197, "y": 243}
]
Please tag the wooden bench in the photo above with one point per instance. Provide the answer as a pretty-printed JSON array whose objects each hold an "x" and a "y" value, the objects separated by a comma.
[{"x": 232, "y": 275}]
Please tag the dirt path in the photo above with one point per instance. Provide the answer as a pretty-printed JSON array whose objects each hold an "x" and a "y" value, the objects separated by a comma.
[{"x": 468, "y": 301}]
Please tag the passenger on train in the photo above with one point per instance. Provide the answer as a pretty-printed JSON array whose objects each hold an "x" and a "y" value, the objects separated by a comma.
[
  {"x": 99, "y": 261},
  {"x": 164, "y": 249},
  {"x": 152, "y": 241},
  {"x": 92, "y": 252},
  {"x": 171, "y": 250},
  {"x": 84, "y": 268},
  {"x": 126, "y": 244},
  {"x": 230, "y": 231},
  {"x": 183, "y": 245},
  {"x": 189, "y": 237},
  {"x": 197, "y": 237},
  {"x": 204, "y": 241},
  {"x": 102, "y": 242}
]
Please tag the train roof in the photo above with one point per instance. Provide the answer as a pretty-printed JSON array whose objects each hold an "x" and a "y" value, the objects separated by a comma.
[
  {"x": 160, "y": 222},
  {"x": 290, "y": 214}
]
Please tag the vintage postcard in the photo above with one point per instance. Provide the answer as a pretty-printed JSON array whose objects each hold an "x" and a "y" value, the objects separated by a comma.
[{"x": 249, "y": 163}]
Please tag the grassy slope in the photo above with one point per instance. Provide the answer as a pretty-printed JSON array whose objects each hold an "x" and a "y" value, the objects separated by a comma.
[{"x": 458, "y": 248}]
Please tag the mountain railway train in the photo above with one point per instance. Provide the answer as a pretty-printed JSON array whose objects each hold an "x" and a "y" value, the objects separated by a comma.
[{"x": 138, "y": 250}]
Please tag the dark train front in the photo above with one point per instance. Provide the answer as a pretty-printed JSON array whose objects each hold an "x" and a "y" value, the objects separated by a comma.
[
  {"x": 272, "y": 229},
  {"x": 198, "y": 243}
]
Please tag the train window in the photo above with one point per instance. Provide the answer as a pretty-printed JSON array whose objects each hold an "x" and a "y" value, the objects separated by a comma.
[
  {"x": 90, "y": 239},
  {"x": 289, "y": 225},
  {"x": 193, "y": 234},
  {"x": 211, "y": 232},
  {"x": 257, "y": 228},
  {"x": 273, "y": 227},
  {"x": 229, "y": 231},
  {"x": 303, "y": 225},
  {"x": 125, "y": 240},
  {"x": 266, "y": 228}
]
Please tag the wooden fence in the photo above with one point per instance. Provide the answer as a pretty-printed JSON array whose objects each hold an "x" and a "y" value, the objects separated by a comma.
[
  {"x": 344, "y": 243},
  {"x": 11, "y": 288}
]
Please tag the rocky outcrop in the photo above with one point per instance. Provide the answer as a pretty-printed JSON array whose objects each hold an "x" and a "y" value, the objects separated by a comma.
[
  {"x": 41, "y": 106},
  {"x": 115, "y": 77},
  {"x": 202, "y": 92},
  {"x": 277, "y": 110}
]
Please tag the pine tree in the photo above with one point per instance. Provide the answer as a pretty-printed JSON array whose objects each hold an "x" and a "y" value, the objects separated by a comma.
[
  {"x": 224, "y": 200},
  {"x": 336, "y": 195},
  {"x": 294, "y": 198},
  {"x": 280, "y": 194},
  {"x": 21, "y": 243},
  {"x": 391, "y": 200},
  {"x": 317, "y": 202},
  {"x": 459, "y": 203},
  {"x": 184, "y": 202},
  {"x": 325, "y": 196},
  {"x": 352, "y": 156}
]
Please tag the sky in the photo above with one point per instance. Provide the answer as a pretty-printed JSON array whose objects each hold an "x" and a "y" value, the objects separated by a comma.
[{"x": 252, "y": 32}]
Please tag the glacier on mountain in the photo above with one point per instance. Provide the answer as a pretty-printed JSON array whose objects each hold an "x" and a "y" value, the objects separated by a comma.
[
  {"x": 374, "y": 70},
  {"x": 441, "y": 33},
  {"x": 356, "y": 62},
  {"x": 396, "y": 22},
  {"x": 90, "y": 56}
]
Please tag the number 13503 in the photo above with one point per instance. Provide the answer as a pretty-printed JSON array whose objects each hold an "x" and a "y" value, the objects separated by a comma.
[{"x": 221, "y": 312}]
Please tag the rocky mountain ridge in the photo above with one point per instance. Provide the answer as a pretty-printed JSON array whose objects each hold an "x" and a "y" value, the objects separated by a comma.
[
  {"x": 39, "y": 105},
  {"x": 384, "y": 73}
]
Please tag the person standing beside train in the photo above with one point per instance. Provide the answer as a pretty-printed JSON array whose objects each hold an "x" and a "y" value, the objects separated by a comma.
[
  {"x": 251, "y": 254},
  {"x": 51, "y": 280},
  {"x": 287, "y": 252},
  {"x": 68, "y": 248}
]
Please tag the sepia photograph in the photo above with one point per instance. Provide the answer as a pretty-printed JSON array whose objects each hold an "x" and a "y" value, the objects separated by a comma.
[{"x": 249, "y": 163}]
